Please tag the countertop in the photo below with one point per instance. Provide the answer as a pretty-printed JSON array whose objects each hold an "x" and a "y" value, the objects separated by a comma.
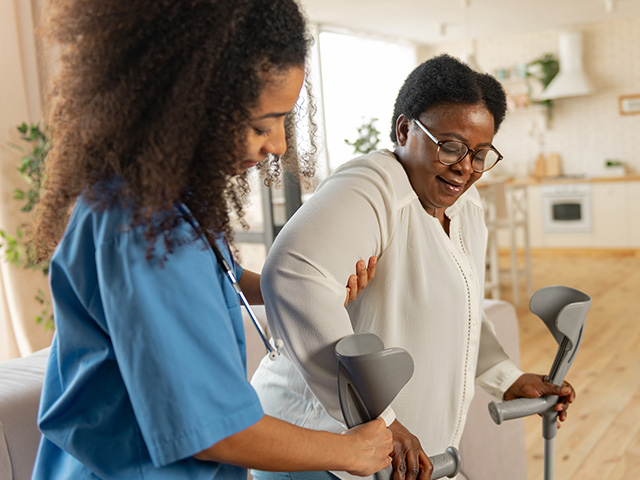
[{"x": 525, "y": 181}]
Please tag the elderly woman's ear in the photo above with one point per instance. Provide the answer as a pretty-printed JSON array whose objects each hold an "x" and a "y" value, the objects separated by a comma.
[{"x": 402, "y": 129}]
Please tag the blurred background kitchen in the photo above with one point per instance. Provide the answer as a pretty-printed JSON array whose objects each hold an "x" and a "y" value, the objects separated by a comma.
[{"x": 571, "y": 143}]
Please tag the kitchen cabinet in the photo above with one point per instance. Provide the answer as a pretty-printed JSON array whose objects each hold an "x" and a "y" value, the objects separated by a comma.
[
  {"x": 615, "y": 217},
  {"x": 632, "y": 195}
]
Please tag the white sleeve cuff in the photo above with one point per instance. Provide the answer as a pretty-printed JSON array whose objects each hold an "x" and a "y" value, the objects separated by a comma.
[
  {"x": 499, "y": 378},
  {"x": 388, "y": 416}
]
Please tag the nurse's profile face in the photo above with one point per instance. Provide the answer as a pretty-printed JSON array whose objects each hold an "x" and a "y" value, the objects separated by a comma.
[
  {"x": 266, "y": 133},
  {"x": 437, "y": 185}
]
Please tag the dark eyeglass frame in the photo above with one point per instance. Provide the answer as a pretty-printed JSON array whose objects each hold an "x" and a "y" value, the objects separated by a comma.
[{"x": 439, "y": 143}]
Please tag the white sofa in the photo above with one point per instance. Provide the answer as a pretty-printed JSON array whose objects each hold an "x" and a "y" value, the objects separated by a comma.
[
  {"x": 20, "y": 385},
  {"x": 488, "y": 452}
]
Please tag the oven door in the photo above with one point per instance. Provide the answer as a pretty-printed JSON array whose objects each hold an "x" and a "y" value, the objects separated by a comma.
[{"x": 566, "y": 208}]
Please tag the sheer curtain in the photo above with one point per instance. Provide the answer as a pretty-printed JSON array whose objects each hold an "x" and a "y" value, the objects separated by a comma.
[{"x": 20, "y": 101}]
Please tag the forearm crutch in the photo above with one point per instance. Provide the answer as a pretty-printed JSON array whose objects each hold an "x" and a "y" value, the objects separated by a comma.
[
  {"x": 369, "y": 378},
  {"x": 564, "y": 311}
]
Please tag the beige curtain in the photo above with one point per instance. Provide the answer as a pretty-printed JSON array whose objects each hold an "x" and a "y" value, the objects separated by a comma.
[{"x": 20, "y": 101}]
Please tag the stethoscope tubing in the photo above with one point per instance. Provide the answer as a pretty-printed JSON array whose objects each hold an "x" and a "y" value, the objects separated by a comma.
[
  {"x": 232, "y": 278},
  {"x": 274, "y": 352}
]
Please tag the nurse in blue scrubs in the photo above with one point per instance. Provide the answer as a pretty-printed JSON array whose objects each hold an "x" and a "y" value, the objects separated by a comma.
[{"x": 160, "y": 109}]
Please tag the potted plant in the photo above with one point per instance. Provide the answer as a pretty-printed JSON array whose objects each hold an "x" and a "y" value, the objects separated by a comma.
[
  {"x": 18, "y": 250},
  {"x": 368, "y": 138},
  {"x": 544, "y": 69},
  {"x": 614, "y": 168}
]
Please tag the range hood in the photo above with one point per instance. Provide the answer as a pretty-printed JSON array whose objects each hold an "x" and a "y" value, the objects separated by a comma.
[{"x": 571, "y": 81}]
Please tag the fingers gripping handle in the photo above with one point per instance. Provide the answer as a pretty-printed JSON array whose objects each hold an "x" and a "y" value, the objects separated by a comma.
[
  {"x": 520, "y": 407},
  {"x": 446, "y": 464}
]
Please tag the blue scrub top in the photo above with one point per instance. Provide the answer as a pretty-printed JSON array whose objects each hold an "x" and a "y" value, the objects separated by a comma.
[{"x": 147, "y": 365}]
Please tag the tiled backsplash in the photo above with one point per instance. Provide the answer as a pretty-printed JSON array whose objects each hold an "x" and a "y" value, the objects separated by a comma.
[{"x": 586, "y": 131}]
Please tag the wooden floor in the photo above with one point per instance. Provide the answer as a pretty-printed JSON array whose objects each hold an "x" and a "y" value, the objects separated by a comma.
[{"x": 601, "y": 437}]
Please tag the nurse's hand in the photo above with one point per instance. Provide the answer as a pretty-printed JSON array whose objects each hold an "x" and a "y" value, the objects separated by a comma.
[
  {"x": 358, "y": 282},
  {"x": 409, "y": 459},
  {"x": 372, "y": 446}
]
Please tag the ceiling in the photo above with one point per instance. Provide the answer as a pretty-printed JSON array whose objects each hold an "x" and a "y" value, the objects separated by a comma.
[{"x": 432, "y": 22}]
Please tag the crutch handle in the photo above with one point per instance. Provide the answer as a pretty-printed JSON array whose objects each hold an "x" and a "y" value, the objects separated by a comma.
[
  {"x": 520, "y": 407},
  {"x": 369, "y": 378},
  {"x": 446, "y": 464}
]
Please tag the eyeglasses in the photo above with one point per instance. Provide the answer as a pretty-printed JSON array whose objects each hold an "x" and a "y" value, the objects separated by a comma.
[{"x": 453, "y": 151}]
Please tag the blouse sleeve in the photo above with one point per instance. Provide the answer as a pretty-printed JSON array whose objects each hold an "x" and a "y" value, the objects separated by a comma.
[
  {"x": 179, "y": 344},
  {"x": 304, "y": 278},
  {"x": 496, "y": 372}
]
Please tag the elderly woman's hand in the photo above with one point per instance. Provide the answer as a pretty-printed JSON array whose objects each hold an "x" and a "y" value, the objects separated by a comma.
[
  {"x": 530, "y": 385},
  {"x": 408, "y": 459},
  {"x": 359, "y": 281}
]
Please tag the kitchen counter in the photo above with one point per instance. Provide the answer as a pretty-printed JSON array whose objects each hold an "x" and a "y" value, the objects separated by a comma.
[
  {"x": 527, "y": 181},
  {"x": 612, "y": 205}
]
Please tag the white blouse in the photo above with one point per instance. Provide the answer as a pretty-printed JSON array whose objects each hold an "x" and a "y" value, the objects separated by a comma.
[{"x": 426, "y": 298}]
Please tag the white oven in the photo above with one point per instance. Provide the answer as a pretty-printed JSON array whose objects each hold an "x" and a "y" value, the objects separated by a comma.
[{"x": 566, "y": 208}]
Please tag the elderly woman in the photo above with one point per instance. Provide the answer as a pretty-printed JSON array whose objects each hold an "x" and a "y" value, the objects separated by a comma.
[{"x": 415, "y": 208}]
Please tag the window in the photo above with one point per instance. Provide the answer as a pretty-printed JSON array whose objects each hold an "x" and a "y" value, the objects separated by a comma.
[{"x": 360, "y": 79}]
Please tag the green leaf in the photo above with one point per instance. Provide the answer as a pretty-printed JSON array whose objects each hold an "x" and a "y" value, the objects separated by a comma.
[
  {"x": 368, "y": 137},
  {"x": 17, "y": 249}
]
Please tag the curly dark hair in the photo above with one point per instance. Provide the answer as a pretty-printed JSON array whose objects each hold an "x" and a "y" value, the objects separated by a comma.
[
  {"x": 157, "y": 94},
  {"x": 445, "y": 79}
]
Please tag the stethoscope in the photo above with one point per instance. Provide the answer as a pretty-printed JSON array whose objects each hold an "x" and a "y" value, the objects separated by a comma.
[{"x": 274, "y": 350}]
